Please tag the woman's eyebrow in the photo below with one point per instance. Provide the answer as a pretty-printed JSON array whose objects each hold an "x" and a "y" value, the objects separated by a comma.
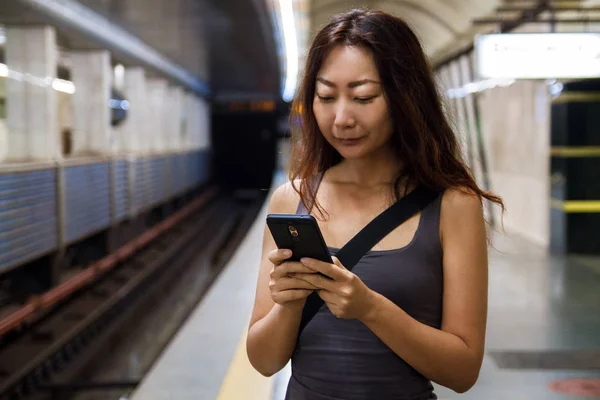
[{"x": 352, "y": 84}]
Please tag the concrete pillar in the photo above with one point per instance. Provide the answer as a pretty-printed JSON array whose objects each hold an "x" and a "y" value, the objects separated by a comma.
[
  {"x": 204, "y": 141},
  {"x": 200, "y": 134},
  {"x": 462, "y": 122},
  {"x": 206, "y": 126},
  {"x": 174, "y": 118},
  {"x": 184, "y": 121},
  {"x": 169, "y": 111},
  {"x": 470, "y": 121},
  {"x": 191, "y": 117},
  {"x": 157, "y": 89},
  {"x": 197, "y": 123},
  {"x": 197, "y": 133},
  {"x": 135, "y": 127},
  {"x": 31, "y": 102},
  {"x": 3, "y": 141},
  {"x": 92, "y": 75}
]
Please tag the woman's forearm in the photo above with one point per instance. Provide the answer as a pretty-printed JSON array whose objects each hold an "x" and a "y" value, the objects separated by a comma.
[
  {"x": 440, "y": 356},
  {"x": 272, "y": 339}
]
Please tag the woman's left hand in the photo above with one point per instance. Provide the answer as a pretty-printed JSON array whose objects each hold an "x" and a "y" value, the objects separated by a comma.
[{"x": 345, "y": 294}]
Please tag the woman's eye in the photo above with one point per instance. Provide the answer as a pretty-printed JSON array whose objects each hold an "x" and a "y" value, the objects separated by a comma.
[
  {"x": 365, "y": 100},
  {"x": 325, "y": 99}
]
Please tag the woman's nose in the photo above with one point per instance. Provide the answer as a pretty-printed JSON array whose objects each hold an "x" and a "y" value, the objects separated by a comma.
[{"x": 343, "y": 117}]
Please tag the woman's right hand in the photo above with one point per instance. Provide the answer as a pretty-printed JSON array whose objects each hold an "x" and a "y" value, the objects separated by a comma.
[{"x": 285, "y": 289}]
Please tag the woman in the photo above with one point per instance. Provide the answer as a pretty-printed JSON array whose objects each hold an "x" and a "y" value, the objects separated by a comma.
[{"x": 413, "y": 310}]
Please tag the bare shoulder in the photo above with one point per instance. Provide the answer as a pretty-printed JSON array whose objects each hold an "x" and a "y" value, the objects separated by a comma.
[
  {"x": 461, "y": 199},
  {"x": 284, "y": 199},
  {"x": 461, "y": 209},
  {"x": 458, "y": 201}
]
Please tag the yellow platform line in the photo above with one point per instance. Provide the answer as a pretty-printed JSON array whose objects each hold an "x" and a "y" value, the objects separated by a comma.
[
  {"x": 576, "y": 206},
  {"x": 577, "y": 97},
  {"x": 580, "y": 151},
  {"x": 242, "y": 381}
]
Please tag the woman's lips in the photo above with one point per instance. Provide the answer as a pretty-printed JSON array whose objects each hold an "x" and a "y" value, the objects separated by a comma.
[{"x": 350, "y": 141}]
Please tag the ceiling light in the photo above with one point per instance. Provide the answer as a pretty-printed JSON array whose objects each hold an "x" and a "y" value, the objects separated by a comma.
[{"x": 291, "y": 49}]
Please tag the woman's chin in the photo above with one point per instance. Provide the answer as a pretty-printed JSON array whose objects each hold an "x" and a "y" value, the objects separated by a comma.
[{"x": 352, "y": 153}]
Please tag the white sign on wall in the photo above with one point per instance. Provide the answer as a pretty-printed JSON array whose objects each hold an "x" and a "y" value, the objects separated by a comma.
[{"x": 538, "y": 55}]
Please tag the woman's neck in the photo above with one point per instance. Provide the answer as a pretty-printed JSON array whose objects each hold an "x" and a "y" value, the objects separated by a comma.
[{"x": 378, "y": 169}]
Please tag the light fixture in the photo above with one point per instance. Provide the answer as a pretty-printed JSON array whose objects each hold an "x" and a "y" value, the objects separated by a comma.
[
  {"x": 291, "y": 49},
  {"x": 538, "y": 55},
  {"x": 59, "y": 85},
  {"x": 477, "y": 87},
  {"x": 119, "y": 72}
]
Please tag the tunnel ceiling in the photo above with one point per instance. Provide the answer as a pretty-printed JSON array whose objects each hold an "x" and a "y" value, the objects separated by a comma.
[
  {"x": 229, "y": 43},
  {"x": 440, "y": 24}
]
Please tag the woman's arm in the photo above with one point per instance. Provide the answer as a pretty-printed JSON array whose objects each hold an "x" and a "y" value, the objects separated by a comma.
[
  {"x": 451, "y": 356},
  {"x": 273, "y": 327}
]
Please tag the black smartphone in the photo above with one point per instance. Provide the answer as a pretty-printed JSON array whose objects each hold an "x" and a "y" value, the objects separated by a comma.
[{"x": 299, "y": 233}]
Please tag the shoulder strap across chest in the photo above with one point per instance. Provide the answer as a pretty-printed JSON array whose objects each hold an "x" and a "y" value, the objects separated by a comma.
[{"x": 369, "y": 236}]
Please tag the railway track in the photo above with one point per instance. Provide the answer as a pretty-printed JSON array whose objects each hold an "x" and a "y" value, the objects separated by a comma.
[{"x": 60, "y": 353}]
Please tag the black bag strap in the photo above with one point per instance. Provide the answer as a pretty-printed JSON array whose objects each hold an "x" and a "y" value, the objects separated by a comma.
[{"x": 369, "y": 236}]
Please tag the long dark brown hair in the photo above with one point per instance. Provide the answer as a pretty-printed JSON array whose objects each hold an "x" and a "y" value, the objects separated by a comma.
[{"x": 422, "y": 136}]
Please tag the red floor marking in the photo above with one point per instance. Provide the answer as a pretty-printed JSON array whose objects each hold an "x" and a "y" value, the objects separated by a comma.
[{"x": 589, "y": 387}]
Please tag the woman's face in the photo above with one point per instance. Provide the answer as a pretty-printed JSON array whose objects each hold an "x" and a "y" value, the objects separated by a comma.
[{"x": 349, "y": 104}]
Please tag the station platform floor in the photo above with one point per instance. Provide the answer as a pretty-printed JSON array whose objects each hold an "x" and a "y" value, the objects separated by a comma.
[{"x": 543, "y": 331}]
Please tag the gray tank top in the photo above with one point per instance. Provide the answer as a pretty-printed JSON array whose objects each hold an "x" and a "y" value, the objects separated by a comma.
[{"x": 339, "y": 359}]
